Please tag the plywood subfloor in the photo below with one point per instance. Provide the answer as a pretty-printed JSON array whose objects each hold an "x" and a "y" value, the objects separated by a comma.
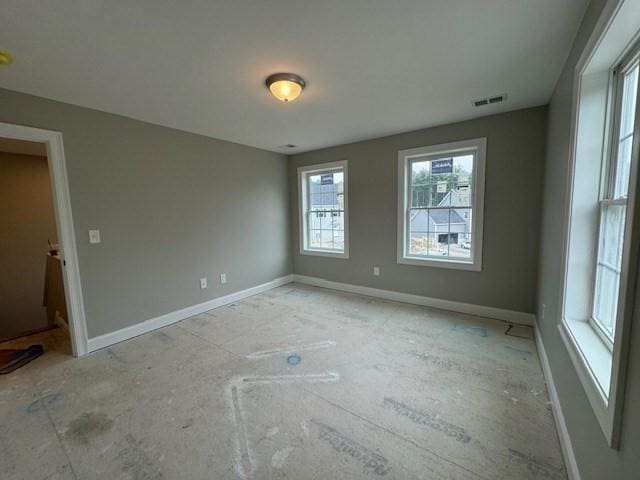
[{"x": 296, "y": 383}]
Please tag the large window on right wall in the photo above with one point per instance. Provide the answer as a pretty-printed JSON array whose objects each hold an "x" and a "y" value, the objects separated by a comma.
[
  {"x": 614, "y": 201},
  {"x": 603, "y": 223}
]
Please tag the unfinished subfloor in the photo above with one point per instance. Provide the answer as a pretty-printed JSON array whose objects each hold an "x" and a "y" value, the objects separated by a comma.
[{"x": 296, "y": 383}]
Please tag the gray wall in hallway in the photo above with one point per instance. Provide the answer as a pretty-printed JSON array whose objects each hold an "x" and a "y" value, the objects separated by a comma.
[
  {"x": 171, "y": 206},
  {"x": 515, "y": 159},
  {"x": 595, "y": 459}
]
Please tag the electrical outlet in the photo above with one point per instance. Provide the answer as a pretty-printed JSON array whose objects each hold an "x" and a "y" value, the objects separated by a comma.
[
  {"x": 223, "y": 278},
  {"x": 203, "y": 283},
  {"x": 376, "y": 271},
  {"x": 94, "y": 236}
]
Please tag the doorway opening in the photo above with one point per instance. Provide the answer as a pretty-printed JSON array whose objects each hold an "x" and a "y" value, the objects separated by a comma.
[
  {"x": 32, "y": 296},
  {"x": 40, "y": 293}
]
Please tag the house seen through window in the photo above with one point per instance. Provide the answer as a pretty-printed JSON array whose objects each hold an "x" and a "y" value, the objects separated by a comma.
[
  {"x": 441, "y": 216},
  {"x": 325, "y": 217}
]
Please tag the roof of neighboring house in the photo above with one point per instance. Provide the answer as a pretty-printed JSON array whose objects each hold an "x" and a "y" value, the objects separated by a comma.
[{"x": 441, "y": 216}]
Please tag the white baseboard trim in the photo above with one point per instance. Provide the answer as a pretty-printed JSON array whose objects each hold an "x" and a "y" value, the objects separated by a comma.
[
  {"x": 512, "y": 316},
  {"x": 102, "y": 341},
  {"x": 561, "y": 426},
  {"x": 126, "y": 333}
]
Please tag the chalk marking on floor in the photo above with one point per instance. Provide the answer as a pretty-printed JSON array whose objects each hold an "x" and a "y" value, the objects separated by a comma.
[
  {"x": 292, "y": 349},
  {"x": 243, "y": 458},
  {"x": 326, "y": 377}
]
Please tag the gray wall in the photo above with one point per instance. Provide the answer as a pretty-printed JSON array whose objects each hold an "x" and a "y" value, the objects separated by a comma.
[
  {"x": 596, "y": 461},
  {"x": 171, "y": 207},
  {"x": 27, "y": 221},
  {"x": 515, "y": 158}
]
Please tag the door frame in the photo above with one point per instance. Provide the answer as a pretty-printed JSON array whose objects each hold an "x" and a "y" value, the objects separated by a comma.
[{"x": 64, "y": 224}]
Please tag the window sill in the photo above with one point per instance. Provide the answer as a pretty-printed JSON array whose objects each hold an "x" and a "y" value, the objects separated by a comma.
[
  {"x": 325, "y": 253},
  {"x": 434, "y": 262},
  {"x": 592, "y": 361}
]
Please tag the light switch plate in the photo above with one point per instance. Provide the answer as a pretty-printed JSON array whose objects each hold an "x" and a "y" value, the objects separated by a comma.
[
  {"x": 94, "y": 236},
  {"x": 376, "y": 271}
]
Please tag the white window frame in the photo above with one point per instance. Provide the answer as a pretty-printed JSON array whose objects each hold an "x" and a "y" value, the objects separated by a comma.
[
  {"x": 476, "y": 146},
  {"x": 303, "y": 205},
  {"x": 609, "y": 173},
  {"x": 600, "y": 362}
]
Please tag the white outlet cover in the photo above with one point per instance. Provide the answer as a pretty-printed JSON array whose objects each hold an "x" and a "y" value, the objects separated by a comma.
[
  {"x": 376, "y": 271},
  {"x": 94, "y": 236},
  {"x": 223, "y": 278},
  {"x": 203, "y": 283}
]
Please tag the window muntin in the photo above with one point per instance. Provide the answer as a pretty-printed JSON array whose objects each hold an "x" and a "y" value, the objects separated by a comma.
[
  {"x": 323, "y": 209},
  {"x": 613, "y": 206}
]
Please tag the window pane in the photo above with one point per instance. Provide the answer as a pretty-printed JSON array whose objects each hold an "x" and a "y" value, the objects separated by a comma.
[
  {"x": 315, "y": 240},
  {"x": 326, "y": 221},
  {"x": 623, "y": 168},
  {"x": 612, "y": 232},
  {"x": 461, "y": 248},
  {"x": 420, "y": 184},
  {"x": 338, "y": 239},
  {"x": 325, "y": 214},
  {"x": 326, "y": 190},
  {"x": 442, "y": 182},
  {"x": 440, "y": 205},
  {"x": 419, "y": 243},
  {"x": 440, "y": 232},
  {"x": 460, "y": 244},
  {"x": 463, "y": 171},
  {"x": 627, "y": 121},
  {"x": 314, "y": 220},
  {"x": 439, "y": 244},
  {"x": 609, "y": 264},
  {"x": 606, "y": 298},
  {"x": 629, "y": 102},
  {"x": 326, "y": 238},
  {"x": 418, "y": 232}
]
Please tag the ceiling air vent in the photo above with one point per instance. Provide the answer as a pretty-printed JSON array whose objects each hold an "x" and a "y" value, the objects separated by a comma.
[{"x": 489, "y": 100}]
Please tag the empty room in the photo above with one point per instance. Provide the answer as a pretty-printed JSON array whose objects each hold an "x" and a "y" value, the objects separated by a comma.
[{"x": 294, "y": 239}]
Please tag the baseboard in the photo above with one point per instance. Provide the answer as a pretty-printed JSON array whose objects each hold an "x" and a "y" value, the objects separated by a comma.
[
  {"x": 512, "y": 316},
  {"x": 561, "y": 426},
  {"x": 126, "y": 333}
]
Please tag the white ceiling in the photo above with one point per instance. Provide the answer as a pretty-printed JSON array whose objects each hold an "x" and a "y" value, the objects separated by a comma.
[{"x": 373, "y": 67}]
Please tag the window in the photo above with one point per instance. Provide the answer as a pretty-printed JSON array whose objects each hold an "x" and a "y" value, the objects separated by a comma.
[
  {"x": 440, "y": 201},
  {"x": 323, "y": 204},
  {"x": 613, "y": 205},
  {"x": 602, "y": 224}
]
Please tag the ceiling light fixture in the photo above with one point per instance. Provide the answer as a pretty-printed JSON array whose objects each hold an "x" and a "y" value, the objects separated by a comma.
[
  {"x": 286, "y": 87},
  {"x": 5, "y": 58}
]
